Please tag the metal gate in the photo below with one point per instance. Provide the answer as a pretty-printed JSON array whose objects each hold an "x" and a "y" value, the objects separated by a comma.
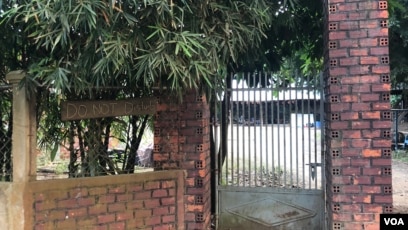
[{"x": 270, "y": 159}]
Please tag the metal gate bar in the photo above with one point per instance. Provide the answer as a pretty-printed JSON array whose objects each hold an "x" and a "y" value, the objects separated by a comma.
[
  {"x": 272, "y": 134},
  {"x": 270, "y": 154}
]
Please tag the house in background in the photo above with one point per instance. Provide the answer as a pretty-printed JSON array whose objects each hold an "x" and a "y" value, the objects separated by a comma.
[{"x": 275, "y": 105}]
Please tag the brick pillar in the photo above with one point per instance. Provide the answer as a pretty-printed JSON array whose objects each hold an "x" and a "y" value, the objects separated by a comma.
[
  {"x": 182, "y": 141},
  {"x": 357, "y": 76}
]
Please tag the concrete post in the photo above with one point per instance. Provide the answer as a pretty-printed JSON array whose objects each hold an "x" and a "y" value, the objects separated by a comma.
[{"x": 23, "y": 149}]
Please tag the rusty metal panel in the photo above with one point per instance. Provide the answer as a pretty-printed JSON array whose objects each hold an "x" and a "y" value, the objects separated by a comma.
[{"x": 263, "y": 208}]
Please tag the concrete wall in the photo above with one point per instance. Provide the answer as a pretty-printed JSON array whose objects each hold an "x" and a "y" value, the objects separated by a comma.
[
  {"x": 151, "y": 200},
  {"x": 5, "y": 193}
]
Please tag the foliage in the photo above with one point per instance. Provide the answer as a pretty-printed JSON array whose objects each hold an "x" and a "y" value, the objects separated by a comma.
[
  {"x": 293, "y": 48},
  {"x": 177, "y": 44},
  {"x": 398, "y": 47},
  {"x": 300, "y": 32},
  {"x": 81, "y": 50},
  {"x": 302, "y": 47},
  {"x": 88, "y": 141},
  {"x": 8, "y": 57},
  {"x": 5, "y": 135}
]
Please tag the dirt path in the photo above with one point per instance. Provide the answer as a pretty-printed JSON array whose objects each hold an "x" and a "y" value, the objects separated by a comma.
[{"x": 400, "y": 186}]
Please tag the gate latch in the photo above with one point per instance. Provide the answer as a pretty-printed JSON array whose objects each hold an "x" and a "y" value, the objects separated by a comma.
[{"x": 312, "y": 169}]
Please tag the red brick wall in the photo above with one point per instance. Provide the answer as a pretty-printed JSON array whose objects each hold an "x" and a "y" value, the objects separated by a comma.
[
  {"x": 152, "y": 200},
  {"x": 358, "y": 118},
  {"x": 182, "y": 142}
]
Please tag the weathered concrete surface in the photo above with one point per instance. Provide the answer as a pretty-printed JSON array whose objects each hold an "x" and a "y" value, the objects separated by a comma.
[
  {"x": 5, "y": 190},
  {"x": 23, "y": 151}
]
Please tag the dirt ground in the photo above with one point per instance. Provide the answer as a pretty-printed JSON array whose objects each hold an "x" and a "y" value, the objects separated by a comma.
[
  {"x": 400, "y": 186},
  {"x": 400, "y": 180}
]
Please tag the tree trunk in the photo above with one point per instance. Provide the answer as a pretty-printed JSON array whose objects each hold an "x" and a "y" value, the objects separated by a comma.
[
  {"x": 137, "y": 134},
  {"x": 72, "y": 167}
]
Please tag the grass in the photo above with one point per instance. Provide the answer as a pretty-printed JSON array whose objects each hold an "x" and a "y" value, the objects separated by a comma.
[
  {"x": 401, "y": 155},
  {"x": 257, "y": 176}
]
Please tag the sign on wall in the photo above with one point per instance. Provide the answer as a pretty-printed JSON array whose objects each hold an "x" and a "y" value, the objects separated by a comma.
[{"x": 77, "y": 110}]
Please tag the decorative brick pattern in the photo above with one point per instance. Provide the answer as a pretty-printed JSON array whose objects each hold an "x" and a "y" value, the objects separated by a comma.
[
  {"x": 335, "y": 153},
  {"x": 384, "y": 23},
  {"x": 335, "y": 116},
  {"x": 199, "y": 217},
  {"x": 334, "y": 98},
  {"x": 387, "y": 189},
  {"x": 154, "y": 201},
  {"x": 382, "y": 5},
  {"x": 335, "y": 134},
  {"x": 199, "y": 164},
  {"x": 386, "y": 152},
  {"x": 333, "y": 26},
  {"x": 337, "y": 226},
  {"x": 385, "y": 78},
  {"x": 336, "y": 207},
  {"x": 388, "y": 209},
  {"x": 358, "y": 117},
  {"x": 332, "y": 45},
  {"x": 199, "y": 199},
  {"x": 185, "y": 144},
  {"x": 383, "y": 41},
  {"x": 332, "y": 9}
]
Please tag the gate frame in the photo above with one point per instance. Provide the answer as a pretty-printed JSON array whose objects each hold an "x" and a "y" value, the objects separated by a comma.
[
  {"x": 358, "y": 124},
  {"x": 358, "y": 117},
  {"x": 223, "y": 146}
]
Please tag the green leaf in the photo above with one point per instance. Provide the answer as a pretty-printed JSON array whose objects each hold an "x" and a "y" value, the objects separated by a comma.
[{"x": 54, "y": 151}]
